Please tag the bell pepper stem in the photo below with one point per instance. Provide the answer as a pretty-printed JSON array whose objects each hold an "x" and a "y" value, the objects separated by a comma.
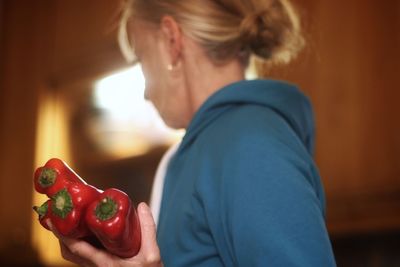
[
  {"x": 47, "y": 177},
  {"x": 42, "y": 210},
  {"x": 62, "y": 203},
  {"x": 106, "y": 209}
]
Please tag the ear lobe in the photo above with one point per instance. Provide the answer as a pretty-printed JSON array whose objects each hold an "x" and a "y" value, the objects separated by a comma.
[{"x": 173, "y": 37}]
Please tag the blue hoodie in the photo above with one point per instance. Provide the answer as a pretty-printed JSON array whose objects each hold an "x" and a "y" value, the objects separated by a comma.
[{"x": 243, "y": 189}]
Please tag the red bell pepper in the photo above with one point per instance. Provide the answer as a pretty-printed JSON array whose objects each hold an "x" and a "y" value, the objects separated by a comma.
[
  {"x": 53, "y": 176},
  {"x": 113, "y": 219},
  {"x": 43, "y": 212},
  {"x": 68, "y": 207}
]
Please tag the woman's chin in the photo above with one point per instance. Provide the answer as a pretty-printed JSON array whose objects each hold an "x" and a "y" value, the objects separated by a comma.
[{"x": 173, "y": 122}]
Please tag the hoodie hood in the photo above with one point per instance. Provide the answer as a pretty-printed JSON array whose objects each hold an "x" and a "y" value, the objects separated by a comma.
[{"x": 283, "y": 98}]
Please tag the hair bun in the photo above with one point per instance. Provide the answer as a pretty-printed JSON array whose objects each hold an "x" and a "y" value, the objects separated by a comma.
[
  {"x": 226, "y": 29},
  {"x": 256, "y": 36},
  {"x": 269, "y": 33}
]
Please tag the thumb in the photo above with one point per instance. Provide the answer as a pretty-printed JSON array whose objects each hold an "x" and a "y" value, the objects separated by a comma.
[{"x": 148, "y": 230}]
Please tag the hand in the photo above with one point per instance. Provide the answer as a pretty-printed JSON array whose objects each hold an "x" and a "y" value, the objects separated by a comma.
[{"x": 84, "y": 254}]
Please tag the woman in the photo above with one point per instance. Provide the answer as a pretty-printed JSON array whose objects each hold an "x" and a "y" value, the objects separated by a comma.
[{"x": 242, "y": 188}]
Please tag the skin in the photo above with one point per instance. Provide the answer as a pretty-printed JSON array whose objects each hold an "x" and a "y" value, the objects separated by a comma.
[{"x": 177, "y": 93}]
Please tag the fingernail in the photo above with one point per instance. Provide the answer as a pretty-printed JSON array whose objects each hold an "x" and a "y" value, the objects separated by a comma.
[
  {"x": 49, "y": 224},
  {"x": 143, "y": 208}
]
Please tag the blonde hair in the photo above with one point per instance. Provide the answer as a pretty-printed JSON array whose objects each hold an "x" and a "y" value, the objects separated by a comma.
[{"x": 267, "y": 29}]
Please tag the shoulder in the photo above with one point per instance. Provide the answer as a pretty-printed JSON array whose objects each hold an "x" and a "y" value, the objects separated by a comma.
[
  {"x": 250, "y": 128},
  {"x": 253, "y": 147}
]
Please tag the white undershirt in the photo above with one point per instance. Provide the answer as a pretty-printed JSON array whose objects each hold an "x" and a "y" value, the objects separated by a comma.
[{"x": 158, "y": 184}]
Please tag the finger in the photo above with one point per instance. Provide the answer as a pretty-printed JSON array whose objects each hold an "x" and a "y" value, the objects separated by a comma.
[
  {"x": 53, "y": 229},
  {"x": 85, "y": 251},
  {"x": 67, "y": 255},
  {"x": 65, "y": 252},
  {"x": 78, "y": 250},
  {"x": 149, "y": 248}
]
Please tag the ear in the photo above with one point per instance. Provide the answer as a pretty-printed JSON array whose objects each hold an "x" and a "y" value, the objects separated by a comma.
[{"x": 172, "y": 35}]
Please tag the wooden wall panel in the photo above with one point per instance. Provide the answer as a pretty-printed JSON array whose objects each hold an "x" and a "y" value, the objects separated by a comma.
[
  {"x": 380, "y": 70},
  {"x": 350, "y": 70},
  {"x": 337, "y": 98},
  {"x": 363, "y": 188},
  {"x": 2, "y": 91},
  {"x": 85, "y": 43},
  {"x": 2, "y": 54},
  {"x": 23, "y": 54}
]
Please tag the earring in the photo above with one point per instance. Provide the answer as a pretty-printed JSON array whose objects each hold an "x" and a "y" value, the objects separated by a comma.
[{"x": 170, "y": 67}]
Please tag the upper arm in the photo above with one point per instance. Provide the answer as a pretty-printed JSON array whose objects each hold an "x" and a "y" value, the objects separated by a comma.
[
  {"x": 272, "y": 214},
  {"x": 266, "y": 209}
]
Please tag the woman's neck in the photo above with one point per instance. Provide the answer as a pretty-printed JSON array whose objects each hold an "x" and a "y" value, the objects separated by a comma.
[{"x": 206, "y": 78}]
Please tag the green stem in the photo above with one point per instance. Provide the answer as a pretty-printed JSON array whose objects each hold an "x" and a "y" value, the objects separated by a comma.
[
  {"x": 62, "y": 203},
  {"x": 47, "y": 177},
  {"x": 42, "y": 210},
  {"x": 106, "y": 209}
]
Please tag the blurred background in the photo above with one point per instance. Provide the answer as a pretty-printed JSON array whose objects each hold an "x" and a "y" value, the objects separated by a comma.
[{"x": 66, "y": 91}]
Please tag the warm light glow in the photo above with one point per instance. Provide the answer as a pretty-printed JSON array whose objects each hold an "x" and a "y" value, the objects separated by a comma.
[
  {"x": 121, "y": 95},
  {"x": 130, "y": 125},
  {"x": 51, "y": 141},
  {"x": 251, "y": 71}
]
